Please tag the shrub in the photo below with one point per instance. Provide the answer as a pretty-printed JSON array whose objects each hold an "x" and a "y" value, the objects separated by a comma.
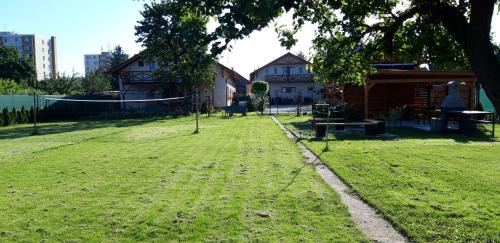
[
  {"x": 260, "y": 88},
  {"x": 6, "y": 117},
  {"x": 1, "y": 119},
  {"x": 25, "y": 115},
  {"x": 13, "y": 116}
]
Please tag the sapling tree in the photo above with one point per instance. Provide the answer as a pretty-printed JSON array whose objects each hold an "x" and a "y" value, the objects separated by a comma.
[{"x": 260, "y": 88}]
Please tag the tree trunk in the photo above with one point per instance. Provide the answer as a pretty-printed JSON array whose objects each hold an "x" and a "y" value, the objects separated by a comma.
[{"x": 473, "y": 35}]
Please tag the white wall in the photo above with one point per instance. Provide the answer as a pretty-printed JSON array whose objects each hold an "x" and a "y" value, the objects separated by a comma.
[{"x": 218, "y": 95}]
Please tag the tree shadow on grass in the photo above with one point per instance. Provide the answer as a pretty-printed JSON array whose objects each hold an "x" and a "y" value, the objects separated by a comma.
[
  {"x": 297, "y": 173},
  {"x": 482, "y": 135},
  {"x": 73, "y": 126}
]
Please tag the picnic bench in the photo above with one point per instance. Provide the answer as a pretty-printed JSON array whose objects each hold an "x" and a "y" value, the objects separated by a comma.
[
  {"x": 240, "y": 108},
  {"x": 372, "y": 127}
]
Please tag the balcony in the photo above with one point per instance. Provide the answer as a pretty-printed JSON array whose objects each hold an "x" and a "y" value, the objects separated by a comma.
[
  {"x": 136, "y": 77},
  {"x": 292, "y": 78}
]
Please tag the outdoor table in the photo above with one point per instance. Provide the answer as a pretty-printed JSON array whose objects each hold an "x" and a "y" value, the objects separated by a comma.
[{"x": 467, "y": 118}]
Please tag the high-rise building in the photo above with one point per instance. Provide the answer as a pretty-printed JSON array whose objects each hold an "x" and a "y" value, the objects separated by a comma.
[
  {"x": 94, "y": 62},
  {"x": 41, "y": 51}
]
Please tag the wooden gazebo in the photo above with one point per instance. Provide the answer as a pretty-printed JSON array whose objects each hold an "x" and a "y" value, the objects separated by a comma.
[{"x": 419, "y": 91}]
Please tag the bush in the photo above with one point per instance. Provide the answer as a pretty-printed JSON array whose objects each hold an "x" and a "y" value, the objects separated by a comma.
[
  {"x": 6, "y": 117},
  {"x": 13, "y": 116},
  {"x": 24, "y": 116},
  {"x": 1, "y": 120}
]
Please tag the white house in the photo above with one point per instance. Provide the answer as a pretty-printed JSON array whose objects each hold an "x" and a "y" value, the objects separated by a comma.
[
  {"x": 288, "y": 78},
  {"x": 137, "y": 81}
]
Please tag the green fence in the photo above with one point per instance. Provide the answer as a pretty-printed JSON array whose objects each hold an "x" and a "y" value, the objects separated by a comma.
[
  {"x": 485, "y": 102},
  {"x": 18, "y": 101}
]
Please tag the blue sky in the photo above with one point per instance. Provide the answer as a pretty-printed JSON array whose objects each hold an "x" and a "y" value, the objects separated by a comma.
[
  {"x": 80, "y": 26},
  {"x": 85, "y": 26}
]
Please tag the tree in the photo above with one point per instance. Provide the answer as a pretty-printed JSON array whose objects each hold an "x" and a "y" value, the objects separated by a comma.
[
  {"x": 352, "y": 34},
  {"x": 15, "y": 67},
  {"x": 68, "y": 85},
  {"x": 301, "y": 55},
  {"x": 117, "y": 57},
  {"x": 95, "y": 84},
  {"x": 176, "y": 39},
  {"x": 260, "y": 88}
]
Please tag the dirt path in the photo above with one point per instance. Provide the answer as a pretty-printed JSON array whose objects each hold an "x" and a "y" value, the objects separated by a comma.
[{"x": 366, "y": 218}]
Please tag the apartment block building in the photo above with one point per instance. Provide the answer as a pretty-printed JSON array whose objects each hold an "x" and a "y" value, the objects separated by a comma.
[
  {"x": 40, "y": 50},
  {"x": 94, "y": 62}
]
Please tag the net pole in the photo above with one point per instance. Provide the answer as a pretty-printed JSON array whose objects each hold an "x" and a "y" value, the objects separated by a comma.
[
  {"x": 35, "y": 107},
  {"x": 197, "y": 113}
]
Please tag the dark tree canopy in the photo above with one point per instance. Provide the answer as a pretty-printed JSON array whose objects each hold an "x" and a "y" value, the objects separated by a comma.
[
  {"x": 447, "y": 34},
  {"x": 175, "y": 36},
  {"x": 117, "y": 56},
  {"x": 260, "y": 87},
  {"x": 15, "y": 67}
]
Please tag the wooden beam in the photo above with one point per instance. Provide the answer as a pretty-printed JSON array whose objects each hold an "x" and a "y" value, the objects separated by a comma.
[
  {"x": 418, "y": 80},
  {"x": 366, "y": 100}
]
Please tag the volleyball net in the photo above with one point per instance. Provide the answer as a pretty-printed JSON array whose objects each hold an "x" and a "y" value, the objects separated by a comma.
[{"x": 74, "y": 107}]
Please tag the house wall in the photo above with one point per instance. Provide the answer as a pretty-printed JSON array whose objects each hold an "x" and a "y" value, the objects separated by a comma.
[
  {"x": 301, "y": 82},
  {"x": 218, "y": 94},
  {"x": 281, "y": 69},
  {"x": 308, "y": 89},
  {"x": 133, "y": 91}
]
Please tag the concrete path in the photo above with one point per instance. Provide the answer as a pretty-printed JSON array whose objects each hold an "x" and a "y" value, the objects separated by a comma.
[{"x": 374, "y": 226}]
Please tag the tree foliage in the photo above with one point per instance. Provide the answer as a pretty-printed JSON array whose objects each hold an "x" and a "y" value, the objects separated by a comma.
[
  {"x": 176, "y": 38},
  {"x": 354, "y": 34},
  {"x": 260, "y": 87},
  {"x": 96, "y": 84},
  {"x": 63, "y": 85},
  {"x": 117, "y": 57},
  {"x": 15, "y": 67}
]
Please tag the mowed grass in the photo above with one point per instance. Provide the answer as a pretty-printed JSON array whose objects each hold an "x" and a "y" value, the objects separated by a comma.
[
  {"x": 240, "y": 179},
  {"x": 433, "y": 187}
]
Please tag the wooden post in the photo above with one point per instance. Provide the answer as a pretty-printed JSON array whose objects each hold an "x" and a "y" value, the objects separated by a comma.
[
  {"x": 367, "y": 86},
  {"x": 366, "y": 101},
  {"x": 327, "y": 130}
]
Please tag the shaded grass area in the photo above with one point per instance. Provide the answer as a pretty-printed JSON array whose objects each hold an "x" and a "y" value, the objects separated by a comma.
[
  {"x": 432, "y": 186},
  {"x": 154, "y": 180}
]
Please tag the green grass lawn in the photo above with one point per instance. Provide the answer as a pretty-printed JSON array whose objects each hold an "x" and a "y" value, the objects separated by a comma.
[
  {"x": 240, "y": 179},
  {"x": 433, "y": 187}
]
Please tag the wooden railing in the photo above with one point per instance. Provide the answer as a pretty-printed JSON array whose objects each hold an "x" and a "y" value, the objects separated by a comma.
[
  {"x": 137, "y": 77},
  {"x": 292, "y": 78}
]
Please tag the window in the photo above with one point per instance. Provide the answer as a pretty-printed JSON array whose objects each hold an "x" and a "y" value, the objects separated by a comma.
[
  {"x": 275, "y": 70},
  {"x": 152, "y": 66},
  {"x": 310, "y": 89},
  {"x": 288, "y": 90},
  {"x": 301, "y": 70},
  {"x": 141, "y": 64},
  {"x": 267, "y": 70}
]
